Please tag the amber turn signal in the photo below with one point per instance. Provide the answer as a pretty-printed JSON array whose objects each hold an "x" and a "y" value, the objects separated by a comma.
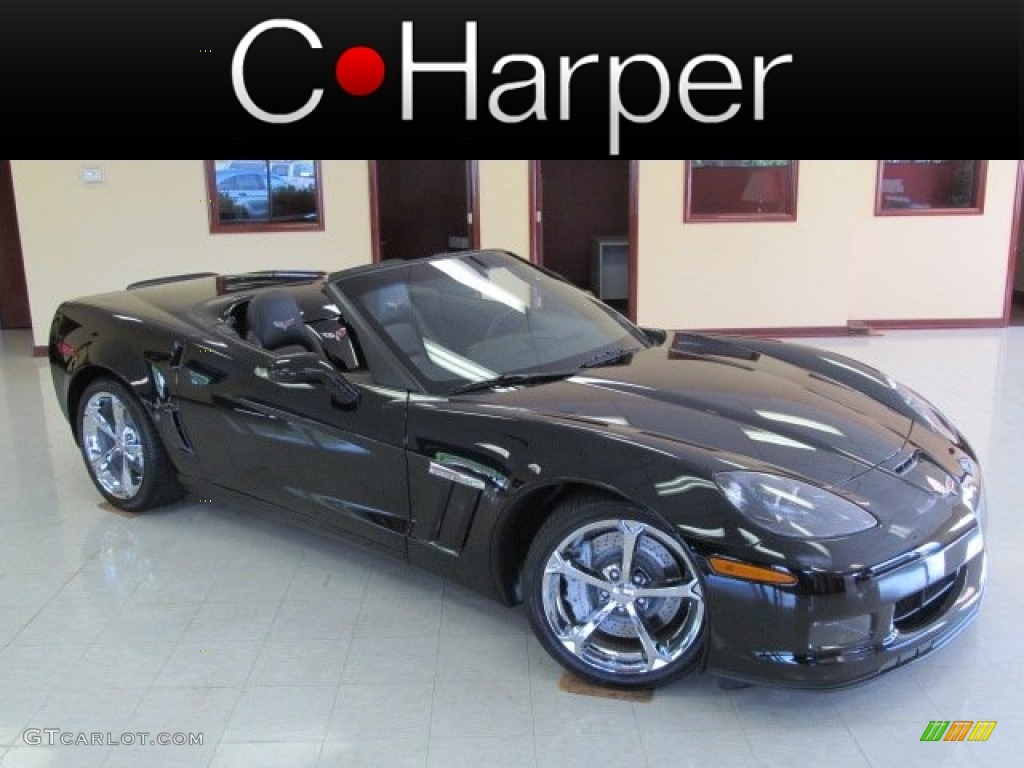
[{"x": 740, "y": 570}]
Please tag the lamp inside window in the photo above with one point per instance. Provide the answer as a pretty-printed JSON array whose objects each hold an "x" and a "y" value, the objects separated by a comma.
[
  {"x": 740, "y": 190},
  {"x": 764, "y": 190}
]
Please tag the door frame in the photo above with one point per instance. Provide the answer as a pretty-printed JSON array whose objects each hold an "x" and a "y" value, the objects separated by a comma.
[
  {"x": 1015, "y": 226},
  {"x": 472, "y": 203},
  {"x": 536, "y": 213},
  {"x": 15, "y": 308}
]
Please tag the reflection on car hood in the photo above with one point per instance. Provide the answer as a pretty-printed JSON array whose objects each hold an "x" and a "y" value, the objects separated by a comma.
[{"x": 758, "y": 407}]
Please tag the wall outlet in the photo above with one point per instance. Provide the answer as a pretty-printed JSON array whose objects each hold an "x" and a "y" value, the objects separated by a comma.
[{"x": 92, "y": 175}]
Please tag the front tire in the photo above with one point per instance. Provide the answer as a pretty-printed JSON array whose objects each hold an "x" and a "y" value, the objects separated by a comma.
[
  {"x": 122, "y": 450},
  {"x": 614, "y": 596}
]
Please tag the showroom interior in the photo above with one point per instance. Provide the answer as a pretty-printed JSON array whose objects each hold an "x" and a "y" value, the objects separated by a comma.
[{"x": 280, "y": 647}]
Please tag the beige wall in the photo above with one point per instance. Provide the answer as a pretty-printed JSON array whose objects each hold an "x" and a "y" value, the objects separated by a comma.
[
  {"x": 149, "y": 218},
  {"x": 743, "y": 275},
  {"x": 505, "y": 205},
  {"x": 950, "y": 267},
  {"x": 837, "y": 262}
]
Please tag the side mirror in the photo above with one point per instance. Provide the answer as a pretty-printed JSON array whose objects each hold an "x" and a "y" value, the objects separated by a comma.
[
  {"x": 310, "y": 368},
  {"x": 656, "y": 336}
]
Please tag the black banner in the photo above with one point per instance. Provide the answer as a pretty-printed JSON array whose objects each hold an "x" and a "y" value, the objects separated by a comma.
[{"x": 642, "y": 78}]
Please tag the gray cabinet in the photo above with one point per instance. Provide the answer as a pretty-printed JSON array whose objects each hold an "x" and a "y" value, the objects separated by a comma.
[{"x": 609, "y": 267}]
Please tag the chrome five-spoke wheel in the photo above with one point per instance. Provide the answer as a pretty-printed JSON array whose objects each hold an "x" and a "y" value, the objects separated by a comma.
[
  {"x": 110, "y": 440},
  {"x": 122, "y": 449},
  {"x": 615, "y": 596}
]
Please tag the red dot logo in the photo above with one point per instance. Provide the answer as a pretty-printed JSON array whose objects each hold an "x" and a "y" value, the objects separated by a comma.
[{"x": 359, "y": 71}]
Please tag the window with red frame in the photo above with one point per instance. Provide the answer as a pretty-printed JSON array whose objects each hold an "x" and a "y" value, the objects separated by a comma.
[
  {"x": 915, "y": 187},
  {"x": 740, "y": 190},
  {"x": 264, "y": 195}
]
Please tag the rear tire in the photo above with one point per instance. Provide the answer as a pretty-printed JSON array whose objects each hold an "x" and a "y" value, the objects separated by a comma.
[
  {"x": 614, "y": 596},
  {"x": 123, "y": 453}
]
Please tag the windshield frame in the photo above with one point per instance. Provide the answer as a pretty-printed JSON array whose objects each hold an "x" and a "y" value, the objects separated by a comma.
[{"x": 372, "y": 292}]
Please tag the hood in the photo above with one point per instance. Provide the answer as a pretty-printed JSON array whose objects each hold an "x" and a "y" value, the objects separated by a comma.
[{"x": 730, "y": 399}]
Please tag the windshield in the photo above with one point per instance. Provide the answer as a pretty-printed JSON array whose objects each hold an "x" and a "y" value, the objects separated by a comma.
[{"x": 473, "y": 317}]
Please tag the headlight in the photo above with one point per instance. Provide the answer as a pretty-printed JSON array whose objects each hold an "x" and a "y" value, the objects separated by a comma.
[{"x": 792, "y": 508}]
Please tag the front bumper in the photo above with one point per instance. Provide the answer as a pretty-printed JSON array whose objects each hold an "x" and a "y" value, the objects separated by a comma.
[{"x": 848, "y": 628}]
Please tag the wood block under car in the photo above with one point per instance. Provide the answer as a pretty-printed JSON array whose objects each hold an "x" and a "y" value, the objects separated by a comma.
[{"x": 572, "y": 684}]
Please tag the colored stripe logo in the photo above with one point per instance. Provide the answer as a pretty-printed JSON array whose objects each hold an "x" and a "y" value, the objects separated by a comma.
[{"x": 958, "y": 730}]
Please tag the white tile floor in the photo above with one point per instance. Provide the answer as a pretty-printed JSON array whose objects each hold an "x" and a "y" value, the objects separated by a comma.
[{"x": 286, "y": 650}]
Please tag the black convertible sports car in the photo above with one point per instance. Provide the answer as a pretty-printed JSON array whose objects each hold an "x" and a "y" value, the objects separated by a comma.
[{"x": 658, "y": 503}]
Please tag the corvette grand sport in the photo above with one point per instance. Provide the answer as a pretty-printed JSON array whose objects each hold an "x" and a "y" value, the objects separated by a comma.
[{"x": 658, "y": 503}]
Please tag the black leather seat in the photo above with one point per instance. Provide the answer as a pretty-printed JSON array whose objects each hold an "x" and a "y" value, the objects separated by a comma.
[{"x": 275, "y": 323}]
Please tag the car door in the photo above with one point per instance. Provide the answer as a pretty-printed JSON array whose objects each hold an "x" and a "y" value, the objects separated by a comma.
[{"x": 340, "y": 467}]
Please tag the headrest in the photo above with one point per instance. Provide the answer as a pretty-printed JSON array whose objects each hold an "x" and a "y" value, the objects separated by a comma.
[{"x": 275, "y": 321}]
